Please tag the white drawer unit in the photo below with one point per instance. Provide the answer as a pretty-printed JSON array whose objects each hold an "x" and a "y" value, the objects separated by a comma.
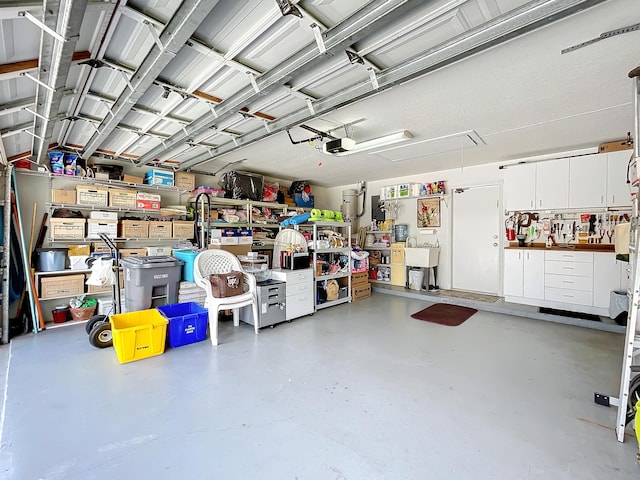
[
  {"x": 299, "y": 291},
  {"x": 568, "y": 256},
  {"x": 570, "y": 282},
  {"x": 576, "y": 297},
  {"x": 569, "y": 268}
]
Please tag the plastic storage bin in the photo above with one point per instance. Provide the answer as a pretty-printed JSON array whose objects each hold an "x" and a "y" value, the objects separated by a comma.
[
  {"x": 189, "y": 258},
  {"x": 138, "y": 335},
  {"x": 150, "y": 281},
  {"x": 52, "y": 259},
  {"x": 187, "y": 323}
]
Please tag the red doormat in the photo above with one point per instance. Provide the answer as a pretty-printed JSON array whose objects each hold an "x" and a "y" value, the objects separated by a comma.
[{"x": 445, "y": 314}]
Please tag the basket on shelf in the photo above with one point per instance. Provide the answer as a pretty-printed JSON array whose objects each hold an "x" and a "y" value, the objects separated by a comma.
[{"x": 82, "y": 313}]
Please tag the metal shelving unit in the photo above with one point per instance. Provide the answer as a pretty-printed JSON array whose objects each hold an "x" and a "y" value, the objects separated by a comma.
[{"x": 344, "y": 228}]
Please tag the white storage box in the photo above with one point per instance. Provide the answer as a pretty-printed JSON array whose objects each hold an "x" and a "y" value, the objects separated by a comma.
[
  {"x": 108, "y": 227},
  {"x": 99, "y": 215},
  {"x": 105, "y": 305},
  {"x": 159, "y": 251},
  {"x": 78, "y": 262}
]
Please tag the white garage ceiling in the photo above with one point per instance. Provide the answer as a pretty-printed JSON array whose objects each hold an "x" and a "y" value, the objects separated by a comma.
[{"x": 198, "y": 84}]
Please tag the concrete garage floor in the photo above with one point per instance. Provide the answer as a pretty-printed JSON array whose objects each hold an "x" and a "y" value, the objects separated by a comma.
[{"x": 357, "y": 391}]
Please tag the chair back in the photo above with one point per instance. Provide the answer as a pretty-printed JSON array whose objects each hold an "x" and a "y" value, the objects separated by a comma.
[{"x": 215, "y": 261}]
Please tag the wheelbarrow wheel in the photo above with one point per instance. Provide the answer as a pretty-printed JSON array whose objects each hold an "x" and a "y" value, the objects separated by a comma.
[
  {"x": 92, "y": 321},
  {"x": 101, "y": 336}
]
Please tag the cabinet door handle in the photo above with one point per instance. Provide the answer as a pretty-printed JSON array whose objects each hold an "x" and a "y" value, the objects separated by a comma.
[
  {"x": 601, "y": 199},
  {"x": 613, "y": 198},
  {"x": 567, "y": 268},
  {"x": 566, "y": 281},
  {"x": 540, "y": 202}
]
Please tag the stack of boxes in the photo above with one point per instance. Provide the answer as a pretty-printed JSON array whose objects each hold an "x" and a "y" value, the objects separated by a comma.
[{"x": 360, "y": 286}]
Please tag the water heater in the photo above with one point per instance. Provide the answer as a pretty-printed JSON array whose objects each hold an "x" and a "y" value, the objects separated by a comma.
[{"x": 351, "y": 207}]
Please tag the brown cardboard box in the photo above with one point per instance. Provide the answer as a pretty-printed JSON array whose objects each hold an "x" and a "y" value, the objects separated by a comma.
[
  {"x": 78, "y": 250},
  {"x": 134, "y": 229},
  {"x": 160, "y": 229},
  {"x": 61, "y": 286},
  {"x": 100, "y": 247},
  {"x": 615, "y": 146},
  {"x": 133, "y": 252},
  {"x": 184, "y": 180},
  {"x": 358, "y": 292},
  {"x": 63, "y": 196},
  {"x": 182, "y": 229},
  {"x": 92, "y": 195},
  {"x": 120, "y": 197},
  {"x": 132, "y": 179},
  {"x": 235, "y": 249},
  {"x": 360, "y": 278},
  {"x": 67, "y": 228}
]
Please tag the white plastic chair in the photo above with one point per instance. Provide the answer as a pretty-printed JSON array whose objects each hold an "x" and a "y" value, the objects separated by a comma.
[{"x": 220, "y": 261}]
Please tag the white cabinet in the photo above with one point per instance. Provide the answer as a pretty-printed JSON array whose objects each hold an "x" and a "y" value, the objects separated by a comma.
[
  {"x": 552, "y": 184},
  {"x": 524, "y": 273},
  {"x": 618, "y": 192},
  {"x": 299, "y": 291},
  {"x": 534, "y": 186},
  {"x": 520, "y": 187},
  {"x": 586, "y": 187}
]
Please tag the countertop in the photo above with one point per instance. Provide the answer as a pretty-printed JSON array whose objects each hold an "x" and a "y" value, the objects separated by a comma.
[{"x": 583, "y": 247}]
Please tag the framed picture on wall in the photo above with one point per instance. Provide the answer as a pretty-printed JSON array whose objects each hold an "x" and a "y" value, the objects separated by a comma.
[{"x": 428, "y": 212}]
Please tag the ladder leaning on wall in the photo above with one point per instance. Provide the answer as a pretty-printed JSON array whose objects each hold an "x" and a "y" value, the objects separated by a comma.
[{"x": 628, "y": 397}]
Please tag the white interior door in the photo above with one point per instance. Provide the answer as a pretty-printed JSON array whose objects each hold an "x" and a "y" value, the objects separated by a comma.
[{"x": 476, "y": 239}]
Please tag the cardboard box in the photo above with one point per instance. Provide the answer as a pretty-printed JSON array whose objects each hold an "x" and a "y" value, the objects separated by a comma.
[
  {"x": 67, "y": 228},
  {"x": 226, "y": 241},
  {"x": 159, "y": 177},
  {"x": 61, "y": 286},
  {"x": 63, "y": 196},
  {"x": 245, "y": 240},
  {"x": 100, "y": 248},
  {"x": 615, "y": 146},
  {"x": 184, "y": 180},
  {"x": 134, "y": 229},
  {"x": 92, "y": 195},
  {"x": 133, "y": 252},
  {"x": 98, "y": 215},
  {"x": 159, "y": 251},
  {"x": 182, "y": 229},
  {"x": 119, "y": 197},
  {"x": 148, "y": 201},
  {"x": 78, "y": 250},
  {"x": 160, "y": 230},
  {"x": 360, "y": 279},
  {"x": 235, "y": 249},
  {"x": 108, "y": 227},
  {"x": 358, "y": 292},
  {"x": 132, "y": 179}
]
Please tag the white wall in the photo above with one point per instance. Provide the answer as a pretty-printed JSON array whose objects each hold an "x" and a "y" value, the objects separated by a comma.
[{"x": 454, "y": 178}]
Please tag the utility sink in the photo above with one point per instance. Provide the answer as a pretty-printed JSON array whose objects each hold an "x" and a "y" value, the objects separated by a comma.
[{"x": 421, "y": 256}]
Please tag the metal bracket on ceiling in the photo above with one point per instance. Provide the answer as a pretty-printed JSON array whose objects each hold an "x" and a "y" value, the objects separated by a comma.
[
  {"x": 28, "y": 110},
  {"x": 373, "y": 77},
  {"x": 354, "y": 57},
  {"x": 318, "y": 36},
  {"x": 213, "y": 110},
  {"x": 287, "y": 8},
  {"x": 610, "y": 33},
  {"x": 310, "y": 106},
  {"x": 126, "y": 79},
  {"x": 39, "y": 82},
  {"x": 42, "y": 26},
  {"x": 34, "y": 135},
  {"x": 266, "y": 126},
  {"x": 106, "y": 105},
  {"x": 254, "y": 83},
  {"x": 154, "y": 34},
  {"x": 235, "y": 141}
]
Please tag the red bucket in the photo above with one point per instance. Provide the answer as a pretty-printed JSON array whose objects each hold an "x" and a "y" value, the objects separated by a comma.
[{"x": 60, "y": 315}]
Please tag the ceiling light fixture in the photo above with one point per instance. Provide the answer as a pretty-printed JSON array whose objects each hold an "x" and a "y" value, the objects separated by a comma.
[{"x": 379, "y": 142}]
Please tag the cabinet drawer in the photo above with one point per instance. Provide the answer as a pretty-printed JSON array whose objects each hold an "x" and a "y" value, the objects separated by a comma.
[
  {"x": 569, "y": 268},
  {"x": 296, "y": 288},
  {"x": 568, "y": 296},
  {"x": 570, "y": 282},
  {"x": 292, "y": 277},
  {"x": 299, "y": 305},
  {"x": 558, "y": 256}
]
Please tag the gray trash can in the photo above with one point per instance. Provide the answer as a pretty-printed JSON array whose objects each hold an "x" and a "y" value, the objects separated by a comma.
[
  {"x": 618, "y": 307},
  {"x": 150, "y": 281}
]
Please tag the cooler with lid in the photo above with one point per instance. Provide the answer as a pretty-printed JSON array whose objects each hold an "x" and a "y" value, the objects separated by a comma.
[{"x": 150, "y": 281}]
